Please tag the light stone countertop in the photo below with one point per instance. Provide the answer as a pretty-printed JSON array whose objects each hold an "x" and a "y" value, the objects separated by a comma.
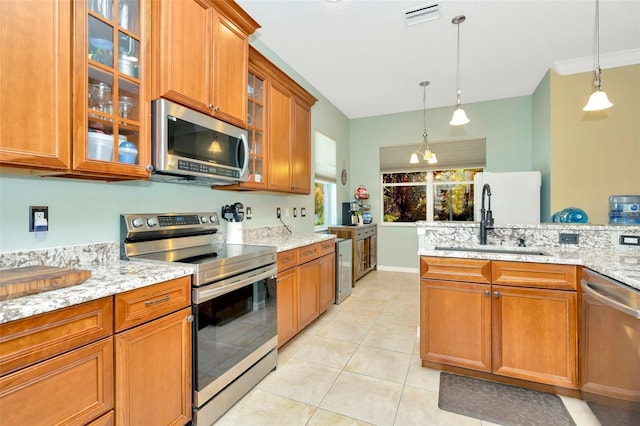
[{"x": 109, "y": 274}]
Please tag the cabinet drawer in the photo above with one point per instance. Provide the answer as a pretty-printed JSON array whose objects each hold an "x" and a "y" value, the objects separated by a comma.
[
  {"x": 144, "y": 304},
  {"x": 71, "y": 389},
  {"x": 287, "y": 259},
  {"x": 29, "y": 340},
  {"x": 327, "y": 247},
  {"x": 539, "y": 275},
  {"x": 455, "y": 269},
  {"x": 307, "y": 253},
  {"x": 105, "y": 420},
  {"x": 360, "y": 234}
]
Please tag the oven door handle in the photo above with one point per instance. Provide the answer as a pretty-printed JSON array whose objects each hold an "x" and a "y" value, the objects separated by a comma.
[{"x": 202, "y": 294}]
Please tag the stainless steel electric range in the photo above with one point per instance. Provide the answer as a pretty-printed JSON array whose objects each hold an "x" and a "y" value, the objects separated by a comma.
[{"x": 233, "y": 302}]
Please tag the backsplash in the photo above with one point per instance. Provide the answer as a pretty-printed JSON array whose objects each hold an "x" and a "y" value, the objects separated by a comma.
[
  {"x": 432, "y": 234},
  {"x": 66, "y": 257}
]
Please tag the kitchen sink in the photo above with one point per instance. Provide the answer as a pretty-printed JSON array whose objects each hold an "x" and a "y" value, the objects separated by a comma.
[{"x": 494, "y": 250}]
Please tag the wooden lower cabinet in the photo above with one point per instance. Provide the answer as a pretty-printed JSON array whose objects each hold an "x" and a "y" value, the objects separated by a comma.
[
  {"x": 308, "y": 294},
  {"x": 287, "y": 306},
  {"x": 306, "y": 287},
  {"x": 456, "y": 323},
  {"x": 105, "y": 420},
  {"x": 525, "y": 330},
  {"x": 535, "y": 335},
  {"x": 153, "y": 372},
  {"x": 327, "y": 291},
  {"x": 73, "y": 388}
]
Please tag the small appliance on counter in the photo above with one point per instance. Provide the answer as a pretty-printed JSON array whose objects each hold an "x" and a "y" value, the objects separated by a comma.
[{"x": 350, "y": 213}]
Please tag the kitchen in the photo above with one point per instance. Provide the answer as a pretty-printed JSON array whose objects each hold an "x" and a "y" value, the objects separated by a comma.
[{"x": 84, "y": 212}]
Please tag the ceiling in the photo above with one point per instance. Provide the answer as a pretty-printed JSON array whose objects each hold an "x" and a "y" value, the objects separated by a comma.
[{"x": 363, "y": 57}]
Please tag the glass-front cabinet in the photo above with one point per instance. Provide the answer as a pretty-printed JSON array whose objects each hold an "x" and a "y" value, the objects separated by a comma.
[
  {"x": 111, "y": 107},
  {"x": 255, "y": 126}
]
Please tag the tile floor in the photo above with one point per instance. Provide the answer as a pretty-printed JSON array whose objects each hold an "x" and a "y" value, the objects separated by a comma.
[{"x": 359, "y": 364}]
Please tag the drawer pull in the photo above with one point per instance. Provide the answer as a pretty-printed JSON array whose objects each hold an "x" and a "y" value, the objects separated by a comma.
[
  {"x": 190, "y": 318},
  {"x": 496, "y": 294},
  {"x": 287, "y": 260},
  {"x": 155, "y": 302},
  {"x": 487, "y": 292},
  {"x": 309, "y": 252}
]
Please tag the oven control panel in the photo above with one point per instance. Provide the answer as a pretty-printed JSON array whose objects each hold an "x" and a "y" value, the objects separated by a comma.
[{"x": 140, "y": 222}]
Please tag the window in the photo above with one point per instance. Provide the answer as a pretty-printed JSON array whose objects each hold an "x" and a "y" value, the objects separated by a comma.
[
  {"x": 324, "y": 193},
  {"x": 435, "y": 195}
]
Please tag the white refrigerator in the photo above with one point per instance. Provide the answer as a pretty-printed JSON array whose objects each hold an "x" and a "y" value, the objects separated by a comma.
[{"x": 515, "y": 196}]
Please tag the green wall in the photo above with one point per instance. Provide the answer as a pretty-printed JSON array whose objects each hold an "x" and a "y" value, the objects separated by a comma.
[{"x": 506, "y": 125}]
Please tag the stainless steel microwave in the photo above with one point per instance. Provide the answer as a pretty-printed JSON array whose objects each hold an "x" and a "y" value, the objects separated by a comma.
[{"x": 191, "y": 147}]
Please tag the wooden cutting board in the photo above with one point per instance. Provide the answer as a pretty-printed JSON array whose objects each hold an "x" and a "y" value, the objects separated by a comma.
[{"x": 18, "y": 282}]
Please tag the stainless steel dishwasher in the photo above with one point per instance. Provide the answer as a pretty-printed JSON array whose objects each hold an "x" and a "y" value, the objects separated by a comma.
[
  {"x": 343, "y": 269},
  {"x": 610, "y": 349}
]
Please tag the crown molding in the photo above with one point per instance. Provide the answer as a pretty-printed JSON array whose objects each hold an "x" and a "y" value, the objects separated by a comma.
[{"x": 609, "y": 60}]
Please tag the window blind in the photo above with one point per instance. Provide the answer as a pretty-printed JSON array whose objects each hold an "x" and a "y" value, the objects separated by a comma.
[{"x": 324, "y": 157}]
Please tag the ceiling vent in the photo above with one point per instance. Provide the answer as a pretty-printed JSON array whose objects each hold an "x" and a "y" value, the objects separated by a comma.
[{"x": 424, "y": 13}]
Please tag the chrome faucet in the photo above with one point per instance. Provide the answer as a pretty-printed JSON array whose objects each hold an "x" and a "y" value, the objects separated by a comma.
[{"x": 486, "y": 216}]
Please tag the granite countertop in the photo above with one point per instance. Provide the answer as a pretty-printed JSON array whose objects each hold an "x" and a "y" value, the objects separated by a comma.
[
  {"x": 106, "y": 279},
  {"x": 622, "y": 265},
  {"x": 109, "y": 274},
  {"x": 288, "y": 242}
]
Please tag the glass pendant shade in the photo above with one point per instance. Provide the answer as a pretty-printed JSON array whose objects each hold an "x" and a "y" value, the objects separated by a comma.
[
  {"x": 433, "y": 159},
  {"x": 597, "y": 101},
  {"x": 414, "y": 158},
  {"x": 459, "y": 117}
]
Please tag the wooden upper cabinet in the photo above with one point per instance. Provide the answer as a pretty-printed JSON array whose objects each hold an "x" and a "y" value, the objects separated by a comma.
[
  {"x": 200, "y": 56},
  {"x": 301, "y": 149},
  {"x": 35, "y": 104},
  {"x": 182, "y": 52},
  {"x": 280, "y": 104}
]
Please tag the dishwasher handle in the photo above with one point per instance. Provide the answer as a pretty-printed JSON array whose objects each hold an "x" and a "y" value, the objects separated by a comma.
[{"x": 592, "y": 290}]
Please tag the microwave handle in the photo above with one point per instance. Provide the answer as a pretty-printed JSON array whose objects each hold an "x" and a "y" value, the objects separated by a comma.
[{"x": 245, "y": 147}]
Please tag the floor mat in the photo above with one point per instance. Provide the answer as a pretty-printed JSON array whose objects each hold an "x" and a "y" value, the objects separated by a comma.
[
  {"x": 612, "y": 416},
  {"x": 502, "y": 404}
]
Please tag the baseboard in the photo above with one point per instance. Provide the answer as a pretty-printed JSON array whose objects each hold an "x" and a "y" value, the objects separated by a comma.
[{"x": 397, "y": 269}]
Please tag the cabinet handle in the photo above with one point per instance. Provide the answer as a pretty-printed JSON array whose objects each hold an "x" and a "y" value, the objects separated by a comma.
[
  {"x": 496, "y": 294},
  {"x": 155, "y": 302},
  {"x": 216, "y": 109},
  {"x": 190, "y": 318},
  {"x": 210, "y": 106},
  {"x": 286, "y": 260},
  {"x": 487, "y": 292}
]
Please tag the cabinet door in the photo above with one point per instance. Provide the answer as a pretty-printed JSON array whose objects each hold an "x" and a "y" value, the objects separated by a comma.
[
  {"x": 111, "y": 89},
  {"x": 155, "y": 356},
  {"x": 183, "y": 49},
  {"x": 308, "y": 292},
  {"x": 373, "y": 251},
  {"x": 71, "y": 389},
  {"x": 326, "y": 264},
  {"x": 360, "y": 259},
  {"x": 280, "y": 133},
  {"x": 534, "y": 335},
  {"x": 301, "y": 150},
  {"x": 230, "y": 67},
  {"x": 455, "y": 323},
  {"x": 287, "y": 306},
  {"x": 35, "y": 105}
]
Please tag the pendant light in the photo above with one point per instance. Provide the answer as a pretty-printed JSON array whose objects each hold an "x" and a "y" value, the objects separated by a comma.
[
  {"x": 428, "y": 155},
  {"x": 459, "y": 116},
  {"x": 598, "y": 99}
]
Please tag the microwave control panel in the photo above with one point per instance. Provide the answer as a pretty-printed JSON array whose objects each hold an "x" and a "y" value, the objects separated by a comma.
[{"x": 206, "y": 169}]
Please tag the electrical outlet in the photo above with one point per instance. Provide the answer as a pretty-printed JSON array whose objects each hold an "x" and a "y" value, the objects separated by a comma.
[
  {"x": 247, "y": 213},
  {"x": 568, "y": 238},
  {"x": 38, "y": 218},
  {"x": 303, "y": 212},
  {"x": 295, "y": 212},
  {"x": 278, "y": 212},
  {"x": 630, "y": 240}
]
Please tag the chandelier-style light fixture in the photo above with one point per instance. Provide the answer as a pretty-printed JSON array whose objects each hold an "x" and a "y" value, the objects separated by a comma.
[
  {"x": 459, "y": 116},
  {"x": 598, "y": 99},
  {"x": 428, "y": 155}
]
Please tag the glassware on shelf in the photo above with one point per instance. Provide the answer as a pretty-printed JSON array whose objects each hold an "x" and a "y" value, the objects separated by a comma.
[
  {"x": 99, "y": 95},
  {"x": 125, "y": 104}
]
